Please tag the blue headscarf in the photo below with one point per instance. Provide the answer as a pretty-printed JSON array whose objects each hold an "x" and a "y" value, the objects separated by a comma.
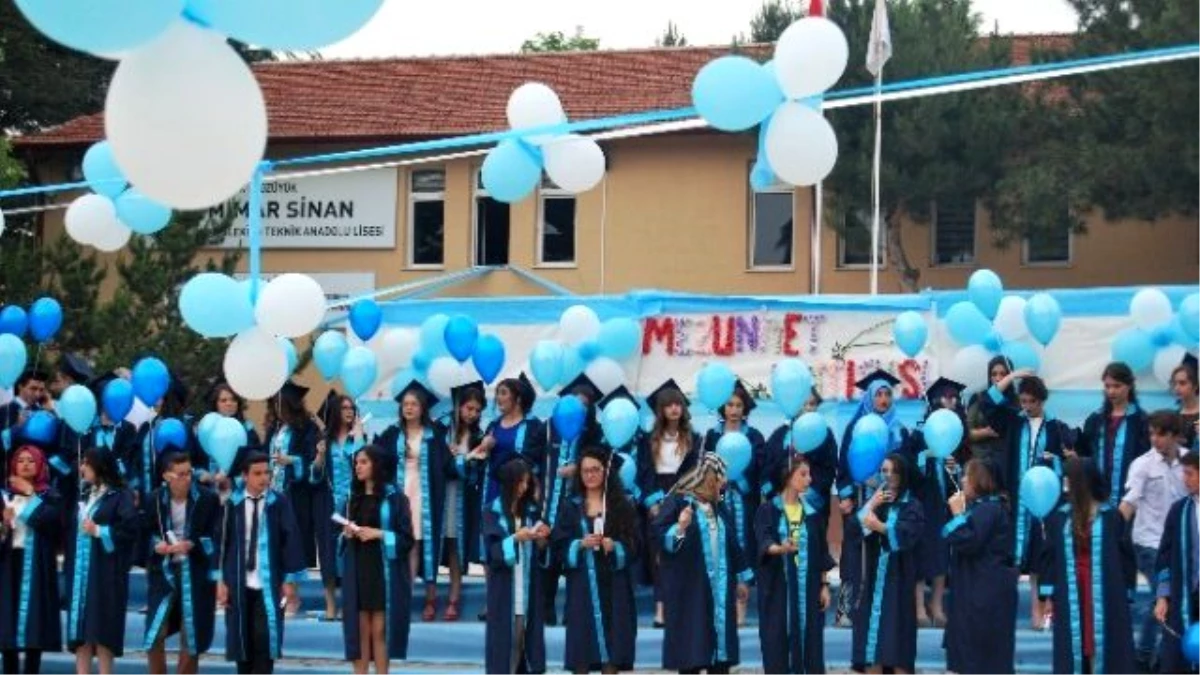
[{"x": 866, "y": 406}]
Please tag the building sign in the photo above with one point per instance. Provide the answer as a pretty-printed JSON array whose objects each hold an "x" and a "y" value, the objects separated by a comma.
[
  {"x": 348, "y": 210},
  {"x": 338, "y": 286}
]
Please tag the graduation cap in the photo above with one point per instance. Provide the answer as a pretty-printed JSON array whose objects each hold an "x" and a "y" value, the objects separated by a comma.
[
  {"x": 882, "y": 375},
  {"x": 428, "y": 398},
  {"x": 76, "y": 367},
  {"x": 582, "y": 386},
  {"x": 670, "y": 385},
  {"x": 456, "y": 393},
  {"x": 748, "y": 403},
  {"x": 528, "y": 393},
  {"x": 942, "y": 387},
  {"x": 616, "y": 394},
  {"x": 294, "y": 391},
  {"x": 1190, "y": 361}
]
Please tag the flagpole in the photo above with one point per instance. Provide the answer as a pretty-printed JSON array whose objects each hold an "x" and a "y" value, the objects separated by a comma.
[
  {"x": 818, "y": 209},
  {"x": 875, "y": 187}
]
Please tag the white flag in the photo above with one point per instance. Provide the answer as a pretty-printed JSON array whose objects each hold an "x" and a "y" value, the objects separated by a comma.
[{"x": 879, "y": 48}]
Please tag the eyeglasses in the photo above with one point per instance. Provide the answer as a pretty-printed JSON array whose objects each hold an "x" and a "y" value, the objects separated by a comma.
[
  {"x": 591, "y": 470},
  {"x": 347, "y": 408}
]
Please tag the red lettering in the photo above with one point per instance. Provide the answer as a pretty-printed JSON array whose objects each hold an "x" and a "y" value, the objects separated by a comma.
[
  {"x": 722, "y": 347},
  {"x": 909, "y": 371},
  {"x": 658, "y": 330},
  {"x": 850, "y": 380},
  {"x": 790, "y": 322}
]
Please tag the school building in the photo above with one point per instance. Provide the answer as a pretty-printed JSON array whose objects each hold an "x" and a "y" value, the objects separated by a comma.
[{"x": 674, "y": 212}]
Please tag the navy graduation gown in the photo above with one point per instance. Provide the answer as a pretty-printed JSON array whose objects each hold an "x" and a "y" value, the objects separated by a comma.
[
  {"x": 310, "y": 493},
  {"x": 120, "y": 439},
  {"x": 981, "y": 610},
  {"x": 210, "y": 466},
  {"x": 934, "y": 486},
  {"x": 1176, "y": 578},
  {"x": 742, "y": 497},
  {"x": 556, "y": 490},
  {"x": 395, "y": 520},
  {"x": 885, "y": 622},
  {"x": 822, "y": 462},
  {"x": 435, "y": 469},
  {"x": 1113, "y": 580},
  {"x": 699, "y": 587},
  {"x": 97, "y": 572},
  {"x": 852, "y": 567},
  {"x": 791, "y": 624},
  {"x": 502, "y": 553},
  {"x": 30, "y": 619},
  {"x": 470, "y": 498},
  {"x": 652, "y": 486},
  {"x": 193, "y": 579},
  {"x": 601, "y": 612},
  {"x": 280, "y": 561},
  {"x": 1131, "y": 441}
]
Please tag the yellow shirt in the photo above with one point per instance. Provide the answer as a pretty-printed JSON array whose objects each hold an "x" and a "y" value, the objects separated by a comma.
[{"x": 795, "y": 518}]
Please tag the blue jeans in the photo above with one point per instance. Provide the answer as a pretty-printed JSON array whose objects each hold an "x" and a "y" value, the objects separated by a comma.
[{"x": 1143, "y": 609}]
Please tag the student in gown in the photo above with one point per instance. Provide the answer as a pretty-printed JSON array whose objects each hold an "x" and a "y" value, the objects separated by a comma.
[
  {"x": 986, "y": 441},
  {"x": 630, "y": 449},
  {"x": 119, "y": 438},
  {"x": 878, "y": 398},
  {"x": 982, "y": 607},
  {"x": 514, "y": 537},
  {"x": 97, "y": 565},
  {"x": 226, "y": 402},
  {"x": 822, "y": 461},
  {"x": 1088, "y": 574},
  {"x": 515, "y": 433},
  {"x": 423, "y": 465},
  {"x": 461, "y": 545},
  {"x": 885, "y": 624},
  {"x": 29, "y": 396},
  {"x": 669, "y": 451},
  {"x": 1116, "y": 434},
  {"x": 743, "y": 495},
  {"x": 596, "y": 540},
  {"x": 261, "y": 561},
  {"x": 29, "y": 538},
  {"x": 377, "y": 586},
  {"x": 1176, "y": 576},
  {"x": 793, "y": 561},
  {"x": 184, "y": 518},
  {"x": 344, "y": 437},
  {"x": 1187, "y": 392}
]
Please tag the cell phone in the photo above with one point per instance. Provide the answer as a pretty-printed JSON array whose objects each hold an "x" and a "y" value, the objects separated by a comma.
[
  {"x": 171, "y": 539},
  {"x": 339, "y": 519},
  {"x": 598, "y": 526}
]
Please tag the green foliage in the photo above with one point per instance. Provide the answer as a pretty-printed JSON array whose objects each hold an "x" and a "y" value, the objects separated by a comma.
[
  {"x": 671, "y": 37},
  {"x": 772, "y": 19},
  {"x": 558, "y": 42}
]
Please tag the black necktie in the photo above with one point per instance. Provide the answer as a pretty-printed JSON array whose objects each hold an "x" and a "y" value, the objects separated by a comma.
[{"x": 252, "y": 554}]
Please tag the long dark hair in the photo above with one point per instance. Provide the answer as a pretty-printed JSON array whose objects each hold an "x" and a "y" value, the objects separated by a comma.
[
  {"x": 509, "y": 475},
  {"x": 426, "y": 420},
  {"x": 334, "y": 425},
  {"x": 515, "y": 390},
  {"x": 461, "y": 425},
  {"x": 666, "y": 398},
  {"x": 902, "y": 468},
  {"x": 1122, "y": 373},
  {"x": 620, "y": 520},
  {"x": 381, "y": 470},
  {"x": 1085, "y": 487},
  {"x": 215, "y": 396},
  {"x": 291, "y": 412},
  {"x": 104, "y": 465},
  {"x": 984, "y": 475}
]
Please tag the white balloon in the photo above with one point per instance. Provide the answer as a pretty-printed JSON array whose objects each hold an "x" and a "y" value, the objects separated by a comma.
[
  {"x": 1010, "y": 318},
  {"x": 111, "y": 236},
  {"x": 186, "y": 118},
  {"x": 606, "y": 374},
  {"x": 1166, "y": 361},
  {"x": 801, "y": 145},
  {"x": 810, "y": 56},
  {"x": 87, "y": 214},
  {"x": 444, "y": 374},
  {"x": 575, "y": 163},
  {"x": 291, "y": 305},
  {"x": 578, "y": 324},
  {"x": 394, "y": 348},
  {"x": 255, "y": 364},
  {"x": 534, "y": 104},
  {"x": 1150, "y": 308},
  {"x": 970, "y": 367}
]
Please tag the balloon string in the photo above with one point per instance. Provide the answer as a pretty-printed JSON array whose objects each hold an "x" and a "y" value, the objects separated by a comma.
[{"x": 953, "y": 480}]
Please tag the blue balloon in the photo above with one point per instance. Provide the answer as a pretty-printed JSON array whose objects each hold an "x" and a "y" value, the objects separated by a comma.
[
  {"x": 715, "y": 384},
  {"x": 289, "y": 350},
  {"x": 215, "y": 305},
  {"x": 150, "y": 380},
  {"x": 460, "y": 335},
  {"x": 284, "y": 24},
  {"x": 1022, "y": 355},
  {"x": 1043, "y": 316},
  {"x": 13, "y": 321},
  {"x": 572, "y": 364},
  {"x": 227, "y": 436},
  {"x": 589, "y": 350},
  {"x": 1040, "y": 490},
  {"x": 41, "y": 427},
  {"x": 169, "y": 433},
  {"x": 734, "y": 93},
  {"x": 13, "y": 356},
  {"x": 205, "y": 428},
  {"x": 1189, "y": 316},
  {"x": 791, "y": 386},
  {"x": 102, "y": 26},
  {"x": 421, "y": 361},
  {"x": 45, "y": 318},
  {"x": 77, "y": 407},
  {"x": 874, "y": 432},
  {"x": 943, "y": 432},
  {"x": 142, "y": 214},
  {"x": 1191, "y": 643},
  {"x": 809, "y": 431},
  {"x": 910, "y": 333},
  {"x": 967, "y": 325},
  {"x": 1135, "y": 347},
  {"x": 511, "y": 171},
  {"x": 546, "y": 362},
  {"x": 432, "y": 339},
  {"x": 117, "y": 399},
  {"x": 993, "y": 341},
  {"x": 734, "y": 448},
  {"x": 628, "y": 472},
  {"x": 986, "y": 291},
  {"x": 619, "y": 338},
  {"x": 619, "y": 421},
  {"x": 358, "y": 370},
  {"x": 101, "y": 172},
  {"x": 365, "y": 318},
  {"x": 865, "y": 457},
  {"x": 488, "y": 357},
  {"x": 762, "y": 176},
  {"x": 569, "y": 417},
  {"x": 328, "y": 351}
]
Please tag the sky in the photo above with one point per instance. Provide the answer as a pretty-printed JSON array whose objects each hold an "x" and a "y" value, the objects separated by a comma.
[{"x": 440, "y": 27}]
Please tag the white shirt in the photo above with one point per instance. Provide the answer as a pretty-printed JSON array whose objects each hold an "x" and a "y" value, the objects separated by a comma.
[
  {"x": 1152, "y": 487},
  {"x": 1035, "y": 426},
  {"x": 669, "y": 460},
  {"x": 253, "y": 581},
  {"x": 17, "y": 504},
  {"x": 179, "y": 524}
]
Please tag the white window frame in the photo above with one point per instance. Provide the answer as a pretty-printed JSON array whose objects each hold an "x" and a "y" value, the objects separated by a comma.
[
  {"x": 413, "y": 198},
  {"x": 933, "y": 247},
  {"x": 548, "y": 190},
  {"x": 883, "y": 258},
  {"x": 1026, "y": 262},
  {"x": 752, "y": 228},
  {"x": 477, "y": 192}
]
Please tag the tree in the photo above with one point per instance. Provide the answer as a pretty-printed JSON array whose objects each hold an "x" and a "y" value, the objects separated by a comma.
[
  {"x": 557, "y": 42},
  {"x": 772, "y": 19},
  {"x": 671, "y": 37}
]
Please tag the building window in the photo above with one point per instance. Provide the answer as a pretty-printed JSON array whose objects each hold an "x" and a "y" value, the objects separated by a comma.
[
  {"x": 772, "y": 239},
  {"x": 426, "y": 217},
  {"x": 556, "y": 225},
  {"x": 1051, "y": 246},
  {"x": 854, "y": 241},
  {"x": 491, "y": 227},
  {"x": 954, "y": 232}
]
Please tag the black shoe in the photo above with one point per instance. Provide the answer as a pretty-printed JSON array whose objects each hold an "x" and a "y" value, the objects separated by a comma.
[
  {"x": 482, "y": 616},
  {"x": 659, "y": 624}
]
